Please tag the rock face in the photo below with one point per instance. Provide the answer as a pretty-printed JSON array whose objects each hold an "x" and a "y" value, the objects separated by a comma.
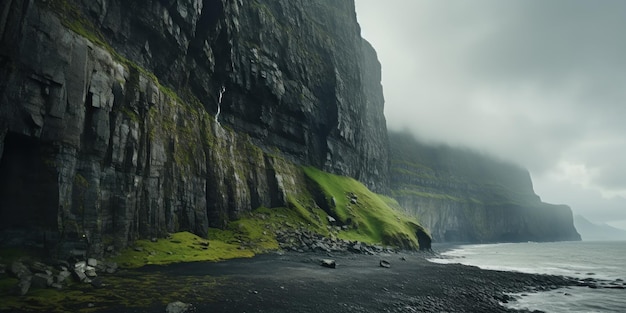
[
  {"x": 122, "y": 120},
  {"x": 296, "y": 75},
  {"x": 131, "y": 119},
  {"x": 462, "y": 196}
]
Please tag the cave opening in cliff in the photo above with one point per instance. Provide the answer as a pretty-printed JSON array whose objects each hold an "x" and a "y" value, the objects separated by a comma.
[{"x": 29, "y": 195}]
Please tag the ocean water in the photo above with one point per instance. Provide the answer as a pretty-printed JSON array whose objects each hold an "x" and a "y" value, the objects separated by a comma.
[{"x": 602, "y": 261}]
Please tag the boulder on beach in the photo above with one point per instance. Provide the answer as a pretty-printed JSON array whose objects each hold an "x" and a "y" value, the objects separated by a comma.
[
  {"x": 177, "y": 307},
  {"x": 384, "y": 263},
  {"x": 328, "y": 263}
]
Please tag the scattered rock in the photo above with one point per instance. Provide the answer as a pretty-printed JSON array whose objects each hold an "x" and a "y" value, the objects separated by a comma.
[
  {"x": 92, "y": 262},
  {"x": 80, "y": 265},
  {"x": 80, "y": 275},
  {"x": 19, "y": 270},
  {"x": 62, "y": 276},
  {"x": 356, "y": 247},
  {"x": 90, "y": 272},
  {"x": 41, "y": 280},
  {"x": 22, "y": 286},
  {"x": 328, "y": 263},
  {"x": 302, "y": 240},
  {"x": 177, "y": 307},
  {"x": 331, "y": 219},
  {"x": 154, "y": 239},
  {"x": 138, "y": 249},
  {"x": 384, "y": 263}
]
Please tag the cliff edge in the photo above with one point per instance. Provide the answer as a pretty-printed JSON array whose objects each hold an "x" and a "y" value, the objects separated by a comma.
[{"x": 463, "y": 196}]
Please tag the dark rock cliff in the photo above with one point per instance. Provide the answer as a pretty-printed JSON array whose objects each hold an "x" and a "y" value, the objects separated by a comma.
[
  {"x": 131, "y": 119},
  {"x": 463, "y": 196},
  {"x": 126, "y": 119},
  {"x": 297, "y": 75}
]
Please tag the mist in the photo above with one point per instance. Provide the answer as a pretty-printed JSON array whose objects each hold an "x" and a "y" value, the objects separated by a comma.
[{"x": 537, "y": 83}]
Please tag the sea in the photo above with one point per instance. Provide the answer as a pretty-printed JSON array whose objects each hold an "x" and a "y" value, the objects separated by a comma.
[{"x": 602, "y": 261}]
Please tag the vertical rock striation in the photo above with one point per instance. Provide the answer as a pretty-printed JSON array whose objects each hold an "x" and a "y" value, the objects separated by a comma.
[
  {"x": 105, "y": 112},
  {"x": 109, "y": 124},
  {"x": 296, "y": 73}
]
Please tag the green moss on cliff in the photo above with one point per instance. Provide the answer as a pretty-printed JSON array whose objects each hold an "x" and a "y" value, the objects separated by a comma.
[
  {"x": 180, "y": 247},
  {"x": 372, "y": 218}
]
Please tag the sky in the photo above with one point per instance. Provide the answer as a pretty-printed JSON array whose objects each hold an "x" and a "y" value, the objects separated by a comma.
[{"x": 541, "y": 84}]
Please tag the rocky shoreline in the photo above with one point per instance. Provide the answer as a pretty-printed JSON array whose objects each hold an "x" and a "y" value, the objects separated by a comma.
[
  {"x": 56, "y": 274},
  {"x": 303, "y": 240},
  {"x": 374, "y": 281},
  {"x": 382, "y": 282}
]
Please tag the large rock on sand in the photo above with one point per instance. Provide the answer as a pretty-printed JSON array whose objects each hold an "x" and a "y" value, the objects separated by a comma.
[
  {"x": 177, "y": 307},
  {"x": 328, "y": 263}
]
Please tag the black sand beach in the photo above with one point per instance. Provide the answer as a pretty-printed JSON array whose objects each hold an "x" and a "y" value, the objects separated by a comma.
[{"x": 295, "y": 282}]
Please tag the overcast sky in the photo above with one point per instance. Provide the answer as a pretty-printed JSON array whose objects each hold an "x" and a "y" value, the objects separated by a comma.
[{"x": 539, "y": 83}]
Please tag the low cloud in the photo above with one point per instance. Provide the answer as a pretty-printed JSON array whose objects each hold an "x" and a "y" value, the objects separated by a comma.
[{"x": 539, "y": 83}]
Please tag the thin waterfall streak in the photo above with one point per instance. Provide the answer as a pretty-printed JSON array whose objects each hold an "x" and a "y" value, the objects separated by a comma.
[{"x": 219, "y": 104}]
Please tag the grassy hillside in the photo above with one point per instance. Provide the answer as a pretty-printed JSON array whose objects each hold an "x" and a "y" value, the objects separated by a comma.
[{"x": 368, "y": 217}]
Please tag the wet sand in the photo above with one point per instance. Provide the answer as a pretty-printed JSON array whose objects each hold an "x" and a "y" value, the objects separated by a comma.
[{"x": 295, "y": 282}]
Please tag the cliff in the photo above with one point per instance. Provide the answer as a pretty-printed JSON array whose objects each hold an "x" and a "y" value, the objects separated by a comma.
[
  {"x": 463, "y": 196},
  {"x": 123, "y": 120}
]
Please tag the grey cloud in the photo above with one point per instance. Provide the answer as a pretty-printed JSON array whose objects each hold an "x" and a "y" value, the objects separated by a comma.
[{"x": 532, "y": 81}]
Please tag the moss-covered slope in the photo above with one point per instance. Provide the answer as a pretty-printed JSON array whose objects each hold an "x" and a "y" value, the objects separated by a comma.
[
  {"x": 370, "y": 217},
  {"x": 358, "y": 213}
]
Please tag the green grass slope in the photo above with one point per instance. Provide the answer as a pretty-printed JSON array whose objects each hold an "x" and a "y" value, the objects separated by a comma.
[{"x": 371, "y": 217}]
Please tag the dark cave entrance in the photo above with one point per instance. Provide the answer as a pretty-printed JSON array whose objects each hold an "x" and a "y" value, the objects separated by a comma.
[
  {"x": 29, "y": 195},
  {"x": 424, "y": 240}
]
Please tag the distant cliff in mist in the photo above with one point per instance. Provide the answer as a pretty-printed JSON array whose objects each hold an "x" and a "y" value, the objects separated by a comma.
[
  {"x": 590, "y": 231},
  {"x": 463, "y": 196}
]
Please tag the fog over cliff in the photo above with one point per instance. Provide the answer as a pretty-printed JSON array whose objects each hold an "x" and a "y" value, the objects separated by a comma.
[{"x": 538, "y": 83}]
